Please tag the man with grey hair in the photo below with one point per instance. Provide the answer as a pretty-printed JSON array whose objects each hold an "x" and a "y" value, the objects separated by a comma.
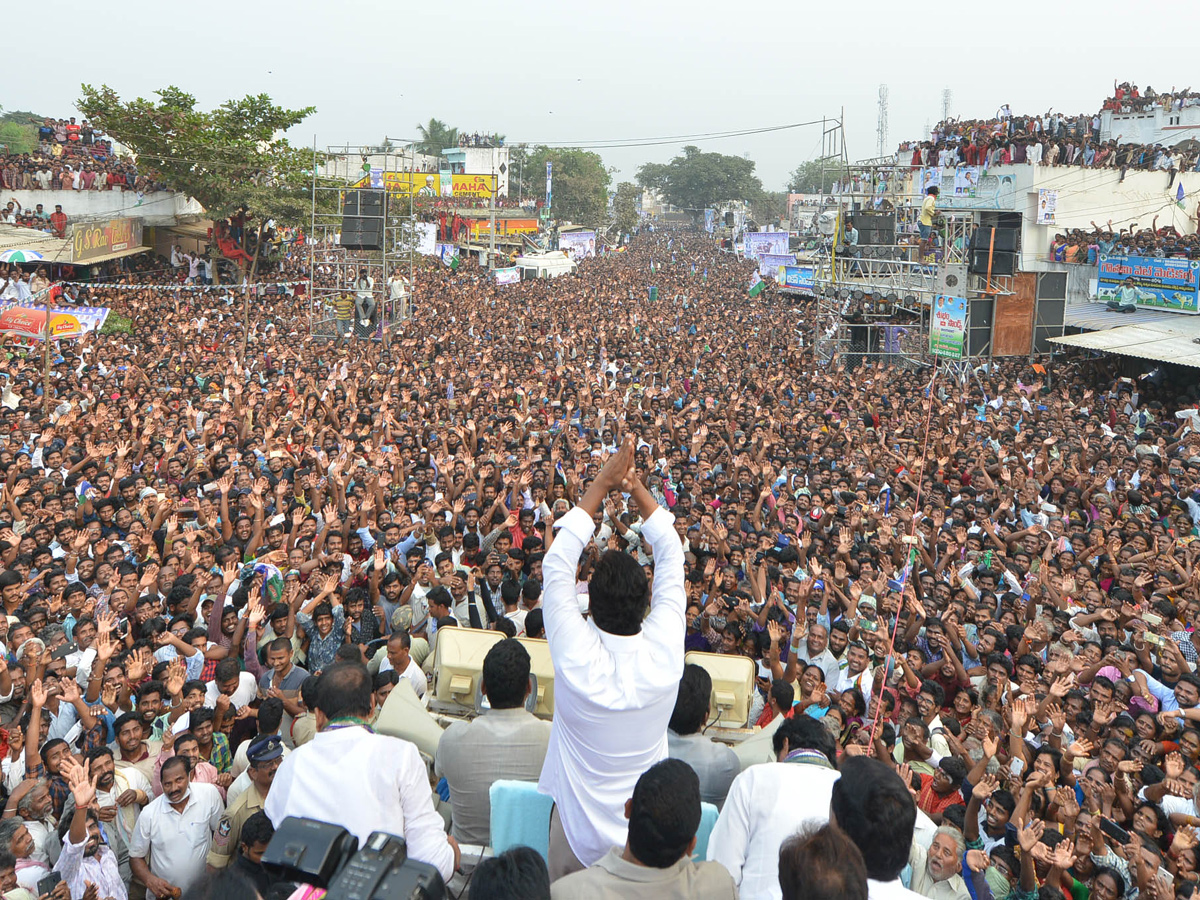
[{"x": 938, "y": 872}]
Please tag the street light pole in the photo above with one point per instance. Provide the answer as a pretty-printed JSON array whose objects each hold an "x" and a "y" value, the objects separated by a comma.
[{"x": 492, "y": 229}]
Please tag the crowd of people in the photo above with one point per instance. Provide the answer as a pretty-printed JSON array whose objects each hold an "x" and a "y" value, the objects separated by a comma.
[
  {"x": 1126, "y": 98},
  {"x": 969, "y": 608},
  {"x": 1086, "y": 247},
  {"x": 475, "y": 139},
  {"x": 37, "y": 217}
]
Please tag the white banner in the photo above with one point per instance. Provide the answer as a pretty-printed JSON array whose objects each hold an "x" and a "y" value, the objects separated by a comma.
[
  {"x": 578, "y": 244},
  {"x": 1047, "y": 203},
  {"x": 759, "y": 242}
]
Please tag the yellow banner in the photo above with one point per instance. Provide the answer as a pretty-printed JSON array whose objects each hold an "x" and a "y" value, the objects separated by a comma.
[{"x": 431, "y": 184}]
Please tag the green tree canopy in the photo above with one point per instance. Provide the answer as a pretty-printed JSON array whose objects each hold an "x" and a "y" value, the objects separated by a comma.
[
  {"x": 815, "y": 176},
  {"x": 580, "y": 182},
  {"x": 233, "y": 157},
  {"x": 625, "y": 204},
  {"x": 697, "y": 180},
  {"x": 436, "y": 136}
]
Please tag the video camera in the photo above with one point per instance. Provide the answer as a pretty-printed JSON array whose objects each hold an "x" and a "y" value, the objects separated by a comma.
[{"x": 328, "y": 856}]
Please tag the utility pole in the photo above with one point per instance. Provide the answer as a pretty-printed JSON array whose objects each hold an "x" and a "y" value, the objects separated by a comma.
[
  {"x": 881, "y": 124},
  {"x": 492, "y": 229}
]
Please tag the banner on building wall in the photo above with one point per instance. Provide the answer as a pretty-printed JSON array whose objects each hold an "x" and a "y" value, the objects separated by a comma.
[
  {"x": 948, "y": 329},
  {"x": 1150, "y": 283},
  {"x": 1047, "y": 202},
  {"x": 966, "y": 180}
]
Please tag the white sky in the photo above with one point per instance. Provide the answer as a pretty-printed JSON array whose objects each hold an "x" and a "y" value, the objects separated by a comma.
[{"x": 561, "y": 72}]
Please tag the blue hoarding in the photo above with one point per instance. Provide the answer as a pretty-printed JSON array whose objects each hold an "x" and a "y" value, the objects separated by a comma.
[
  {"x": 799, "y": 278},
  {"x": 1151, "y": 283}
]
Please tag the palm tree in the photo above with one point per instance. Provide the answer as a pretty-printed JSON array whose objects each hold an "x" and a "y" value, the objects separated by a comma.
[{"x": 435, "y": 137}]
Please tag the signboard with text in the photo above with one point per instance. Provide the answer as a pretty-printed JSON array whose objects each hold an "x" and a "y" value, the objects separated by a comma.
[
  {"x": 948, "y": 328},
  {"x": 102, "y": 238},
  {"x": 1150, "y": 282},
  {"x": 799, "y": 278}
]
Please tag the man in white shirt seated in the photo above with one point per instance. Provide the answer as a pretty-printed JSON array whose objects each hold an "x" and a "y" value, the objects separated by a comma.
[
  {"x": 506, "y": 742},
  {"x": 365, "y": 782},
  {"x": 716, "y": 765},
  {"x": 768, "y": 803},
  {"x": 399, "y": 657},
  {"x": 616, "y": 675}
]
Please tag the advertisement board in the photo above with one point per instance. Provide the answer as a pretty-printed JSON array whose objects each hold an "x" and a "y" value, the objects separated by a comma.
[
  {"x": 578, "y": 244},
  {"x": 799, "y": 278},
  {"x": 102, "y": 238},
  {"x": 68, "y": 322},
  {"x": 1150, "y": 283},
  {"x": 503, "y": 226},
  {"x": 756, "y": 243},
  {"x": 507, "y": 276},
  {"x": 948, "y": 328},
  {"x": 429, "y": 184}
]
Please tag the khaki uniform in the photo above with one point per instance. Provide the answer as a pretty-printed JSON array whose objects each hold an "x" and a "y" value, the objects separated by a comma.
[{"x": 229, "y": 830}]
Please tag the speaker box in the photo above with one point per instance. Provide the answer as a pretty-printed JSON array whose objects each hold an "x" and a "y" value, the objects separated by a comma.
[
  {"x": 1003, "y": 262},
  {"x": 362, "y": 220},
  {"x": 1005, "y": 239},
  {"x": 874, "y": 228},
  {"x": 729, "y": 219}
]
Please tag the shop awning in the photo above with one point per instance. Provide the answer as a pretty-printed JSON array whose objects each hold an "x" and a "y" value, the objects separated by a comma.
[
  {"x": 1177, "y": 341},
  {"x": 128, "y": 251}
]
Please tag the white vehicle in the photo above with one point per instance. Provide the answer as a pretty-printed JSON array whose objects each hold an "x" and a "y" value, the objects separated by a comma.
[{"x": 545, "y": 265}]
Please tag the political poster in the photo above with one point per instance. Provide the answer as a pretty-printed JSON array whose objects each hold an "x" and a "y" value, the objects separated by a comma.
[
  {"x": 770, "y": 264},
  {"x": 1150, "y": 283},
  {"x": 966, "y": 180},
  {"x": 756, "y": 243},
  {"x": 799, "y": 278},
  {"x": 710, "y": 220},
  {"x": 948, "y": 329},
  {"x": 1047, "y": 201},
  {"x": 578, "y": 244},
  {"x": 930, "y": 176},
  {"x": 507, "y": 276}
]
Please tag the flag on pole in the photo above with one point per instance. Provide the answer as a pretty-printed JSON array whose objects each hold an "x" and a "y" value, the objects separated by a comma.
[
  {"x": 651, "y": 267},
  {"x": 1179, "y": 195},
  {"x": 756, "y": 285},
  {"x": 653, "y": 294},
  {"x": 706, "y": 273},
  {"x": 452, "y": 261}
]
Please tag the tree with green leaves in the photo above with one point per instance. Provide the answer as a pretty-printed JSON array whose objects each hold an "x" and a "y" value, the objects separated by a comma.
[
  {"x": 232, "y": 159},
  {"x": 697, "y": 180},
  {"x": 580, "y": 182},
  {"x": 436, "y": 136},
  {"x": 815, "y": 176},
  {"x": 625, "y": 207},
  {"x": 18, "y": 131}
]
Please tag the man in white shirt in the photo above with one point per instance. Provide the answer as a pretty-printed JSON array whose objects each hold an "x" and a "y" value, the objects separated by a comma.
[
  {"x": 363, "y": 781},
  {"x": 399, "y": 657},
  {"x": 171, "y": 840},
  {"x": 616, "y": 675},
  {"x": 769, "y": 803}
]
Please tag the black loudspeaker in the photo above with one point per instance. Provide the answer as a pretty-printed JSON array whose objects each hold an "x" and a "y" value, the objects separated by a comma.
[
  {"x": 1005, "y": 239},
  {"x": 1002, "y": 262},
  {"x": 362, "y": 220},
  {"x": 875, "y": 228},
  {"x": 729, "y": 219}
]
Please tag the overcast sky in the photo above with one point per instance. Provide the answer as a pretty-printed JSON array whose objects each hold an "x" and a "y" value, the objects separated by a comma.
[{"x": 563, "y": 72}]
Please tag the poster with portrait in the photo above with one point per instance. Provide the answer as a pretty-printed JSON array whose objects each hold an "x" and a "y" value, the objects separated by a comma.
[
  {"x": 966, "y": 181},
  {"x": 948, "y": 328},
  {"x": 1047, "y": 201}
]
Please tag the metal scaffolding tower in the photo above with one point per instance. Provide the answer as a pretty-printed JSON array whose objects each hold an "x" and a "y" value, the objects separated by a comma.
[{"x": 333, "y": 267}]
